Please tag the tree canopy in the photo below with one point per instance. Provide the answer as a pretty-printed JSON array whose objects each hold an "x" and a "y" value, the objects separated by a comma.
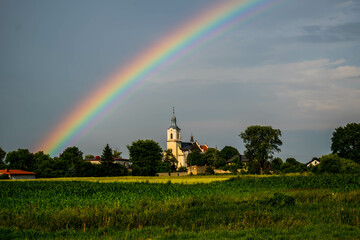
[
  {"x": 261, "y": 142},
  {"x": 195, "y": 158},
  {"x": 346, "y": 142},
  {"x": 145, "y": 156},
  {"x": 228, "y": 152},
  {"x": 20, "y": 159}
]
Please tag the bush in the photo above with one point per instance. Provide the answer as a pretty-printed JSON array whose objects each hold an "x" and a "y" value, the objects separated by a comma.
[
  {"x": 209, "y": 170},
  {"x": 332, "y": 163},
  {"x": 182, "y": 169}
]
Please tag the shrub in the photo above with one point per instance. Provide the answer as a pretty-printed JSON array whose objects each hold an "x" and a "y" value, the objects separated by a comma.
[
  {"x": 332, "y": 163},
  {"x": 209, "y": 170}
]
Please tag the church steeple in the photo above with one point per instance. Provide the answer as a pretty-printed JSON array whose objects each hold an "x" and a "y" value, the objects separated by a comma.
[{"x": 173, "y": 121}]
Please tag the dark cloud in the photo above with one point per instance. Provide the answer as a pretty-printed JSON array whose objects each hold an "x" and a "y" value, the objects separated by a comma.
[{"x": 340, "y": 33}]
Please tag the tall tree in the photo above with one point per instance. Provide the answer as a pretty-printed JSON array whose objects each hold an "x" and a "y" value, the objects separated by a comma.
[
  {"x": 145, "y": 156},
  {"x": 107, "y": 156},
  {"x": 346, "y": 142},
  {"x": 261, "y": 142}
]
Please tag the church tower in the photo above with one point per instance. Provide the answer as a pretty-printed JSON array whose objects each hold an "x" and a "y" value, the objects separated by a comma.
[{"x": 174, "y": 140}]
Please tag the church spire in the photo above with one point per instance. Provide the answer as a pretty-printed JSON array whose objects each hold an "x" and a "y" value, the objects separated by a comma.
[{"x": 173, "y": 121}]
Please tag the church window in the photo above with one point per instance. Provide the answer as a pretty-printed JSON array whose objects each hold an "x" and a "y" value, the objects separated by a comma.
[{"x": 171, "y": 136}]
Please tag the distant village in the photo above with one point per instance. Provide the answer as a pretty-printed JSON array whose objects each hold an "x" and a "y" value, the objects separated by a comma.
[{"x": 186, "y": 158}]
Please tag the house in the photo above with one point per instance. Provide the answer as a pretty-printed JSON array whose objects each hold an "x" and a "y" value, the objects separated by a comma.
[
  {"x": 181, "y": 149},
  {"x": 18, "y": 174},
  {"x": 313, "y": 162},
  {"x": 242, "y": 158},
  {"x": 123, "y": 161}
]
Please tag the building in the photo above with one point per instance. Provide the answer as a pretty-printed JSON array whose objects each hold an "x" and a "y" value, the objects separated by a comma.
[
  {"x": 18, "y": 174},
  {"x": 97, "y": 160},
  {"x": 313, "y": 162},
  {"x": 181, "y": 149}
]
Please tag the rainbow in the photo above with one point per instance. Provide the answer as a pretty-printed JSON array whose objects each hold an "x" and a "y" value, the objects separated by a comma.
[{"x": 210, "y": 23}]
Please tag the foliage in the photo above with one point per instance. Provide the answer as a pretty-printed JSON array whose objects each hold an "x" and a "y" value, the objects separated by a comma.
[
  {"x": 276, "y": 164},
  {"x": 254, "y": 167},
  {"x": 107, "y": 156},
  {"x": 291, "y": 165},
  {"x": 146, "y": 156},
  {"x": 89, "y": 156},
  {"x": 261, "y": 142},
  {"x": 182, "y": 169},
  {"x": 235, "y": 165},
  {"x": 212, "y": 158},
  {"x": 71, "y": 155},
  {"x": 116, "y": 153},
  {"x": 195, "y": 158},
  {"x": 170, "y": 161},
  {"x": 346, "y": 142},
  {"x": 209, "y": 170},
  {"x": 20, "y": 159},
  {"x": 228, "y": 152},
  {"x": 2, "y": 155},
  {"x": 332, "y": 163}
]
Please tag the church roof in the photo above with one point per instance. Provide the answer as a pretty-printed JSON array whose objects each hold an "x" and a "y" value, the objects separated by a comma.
[
  {"x": 188, "y": 146},
  {"x": 173, "y": 121}
]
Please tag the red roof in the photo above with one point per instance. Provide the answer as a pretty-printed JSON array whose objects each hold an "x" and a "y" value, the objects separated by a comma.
[
  {"x": 16, "y": 172},
  {"x": 204, "y": 147}
]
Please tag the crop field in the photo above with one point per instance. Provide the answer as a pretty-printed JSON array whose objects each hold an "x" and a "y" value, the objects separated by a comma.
[
  {"x": 196, "y": 207},
  {"x": 139, "y": 179}
]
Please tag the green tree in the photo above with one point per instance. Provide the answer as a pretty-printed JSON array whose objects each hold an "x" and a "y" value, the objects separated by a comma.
[
  {"x": 276, "y": 163},
  {"x": 2, "y": 156},
  {"x": 228, "y": 152},
  {"x": 67, "y": 162},
  {"x": 71, "y": 155},
  {"x": 211, "y": 156},
  {"x": 107, "y": 156},
  {"x": 116, "y": 153},
  {"x": 346, "y": 142},
  {"x": 291, "y": 165},
  {"x": 145, "y": 156},
  {"x": 195, "y": 158},
  {"x": 43, "y": 165},
  {"x": 170, "y": 160},
  {"x": 89, "y": 156},
  {"x": 236, "y": 164},
  {"x": 261, "y": 142},
  {"x": 20, "y": 159}
]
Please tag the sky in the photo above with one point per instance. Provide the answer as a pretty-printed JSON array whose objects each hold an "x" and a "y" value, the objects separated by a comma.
[{"x": 295, "y": 67}]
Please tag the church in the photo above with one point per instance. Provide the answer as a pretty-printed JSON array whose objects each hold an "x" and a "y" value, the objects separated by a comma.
[{"x": 181, "y": 149}]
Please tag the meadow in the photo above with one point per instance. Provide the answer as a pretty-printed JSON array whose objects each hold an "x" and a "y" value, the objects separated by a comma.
[{"x": 191, "y": 207}]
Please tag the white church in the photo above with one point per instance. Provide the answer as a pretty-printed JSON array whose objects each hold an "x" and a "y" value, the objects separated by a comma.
[{"x": 179, "y": 148}]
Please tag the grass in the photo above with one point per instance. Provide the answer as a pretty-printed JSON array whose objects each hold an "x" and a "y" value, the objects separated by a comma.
[{"x": 249, "y": 207}]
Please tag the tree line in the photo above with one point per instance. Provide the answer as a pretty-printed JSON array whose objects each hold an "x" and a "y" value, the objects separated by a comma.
[{"x": 148, "y": 158}]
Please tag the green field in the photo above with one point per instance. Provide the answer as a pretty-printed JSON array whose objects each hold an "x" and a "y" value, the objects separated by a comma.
[{"x": 214, "y": 207}]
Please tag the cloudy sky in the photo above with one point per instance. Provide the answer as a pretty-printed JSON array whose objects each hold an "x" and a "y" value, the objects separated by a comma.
[{"x": 295, "y": 67}]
